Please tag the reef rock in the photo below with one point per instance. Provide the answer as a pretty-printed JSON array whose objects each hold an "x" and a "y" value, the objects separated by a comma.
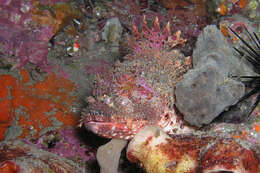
[
  {"x": 19, "y": 156},
  {"x": 205, "y": 92},
  {"x": 212, "y": 41},
  {"x": 208, "y": 90},
  {"x": 108, "y": 155},
  {"x": 159, "y": 153}
]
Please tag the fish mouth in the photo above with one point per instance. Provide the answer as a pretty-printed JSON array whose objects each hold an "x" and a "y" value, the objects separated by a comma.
[
  {"x": 92, "y": 126},
  {"x": 109, "y": 129},
  {"x": 97, "y": 126},
  {"x": 113, "y": 126}
]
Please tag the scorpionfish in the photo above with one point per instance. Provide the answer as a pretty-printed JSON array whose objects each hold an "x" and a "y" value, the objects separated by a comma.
[{"x": 140, "y": 90}]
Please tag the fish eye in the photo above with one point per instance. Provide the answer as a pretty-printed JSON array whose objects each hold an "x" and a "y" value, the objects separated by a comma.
[{"x": 166, "y": 116}]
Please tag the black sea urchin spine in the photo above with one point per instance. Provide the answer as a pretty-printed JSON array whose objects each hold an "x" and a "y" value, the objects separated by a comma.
[{"x": 251, "y": 52}]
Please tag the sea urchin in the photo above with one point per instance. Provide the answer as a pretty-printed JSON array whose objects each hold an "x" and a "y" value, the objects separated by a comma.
[{"x": 250, "y": 50}]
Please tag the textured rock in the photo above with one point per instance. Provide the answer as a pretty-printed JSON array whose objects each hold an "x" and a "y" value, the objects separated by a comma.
[
  {"x": 108, "y": 155},
  {"x": 207, "y": 90},
  {"x": 211, "y": 41},
  {"x": 18, "y": 156},
  {"x": 158, "y": 152},
  {"x": 204, "y": 93}
]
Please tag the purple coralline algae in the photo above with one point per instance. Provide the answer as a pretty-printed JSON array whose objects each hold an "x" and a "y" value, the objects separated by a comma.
[
  {"x": 22, "y": 41},
  {"x": 66, "y": 143},
  {"x": 24, "y": 33}
]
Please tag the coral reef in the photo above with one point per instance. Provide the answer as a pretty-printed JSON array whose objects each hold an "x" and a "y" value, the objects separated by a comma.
[
  {"x": 141, "y": 88},
  {"x": 126, "y": 10},
  {"x": 55, "y": 15},
  {"x": 33, "y": 108},
  {"x": 199, "y": 7},
  {"x": 18, "y": 156},
  {"x": 189, "y": 22},
  {"x": 91, "y": 55},
  {"x": 158, "y": 152},
  {"x": 124, "y": 65}
]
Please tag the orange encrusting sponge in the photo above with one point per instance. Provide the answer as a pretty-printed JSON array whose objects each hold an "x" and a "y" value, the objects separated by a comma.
[{"x": 35, "y": 106}]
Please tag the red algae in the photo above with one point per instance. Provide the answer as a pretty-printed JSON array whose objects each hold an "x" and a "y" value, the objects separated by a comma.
[
  {"x": 8, "y": 167},
  {"x": 190, "y": 153},
  {"x": 180, "y": 145},
  {"x": 35, "y": 102},
  {"x": 172, "y": 4},
  {"x": 6, "y": 113},
  {"x": 226, "y": 153}
]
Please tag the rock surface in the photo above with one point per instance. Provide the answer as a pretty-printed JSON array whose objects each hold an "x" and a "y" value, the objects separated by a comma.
[
  {"x": 207, "y": 90},
  {"x": 108, "y": 155},
  {"x": 212, "y": 42},
  {"x": 20, "y": 156},
  {"x": 206, "y": 93},
  {"x": 112, "y": 31}
]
